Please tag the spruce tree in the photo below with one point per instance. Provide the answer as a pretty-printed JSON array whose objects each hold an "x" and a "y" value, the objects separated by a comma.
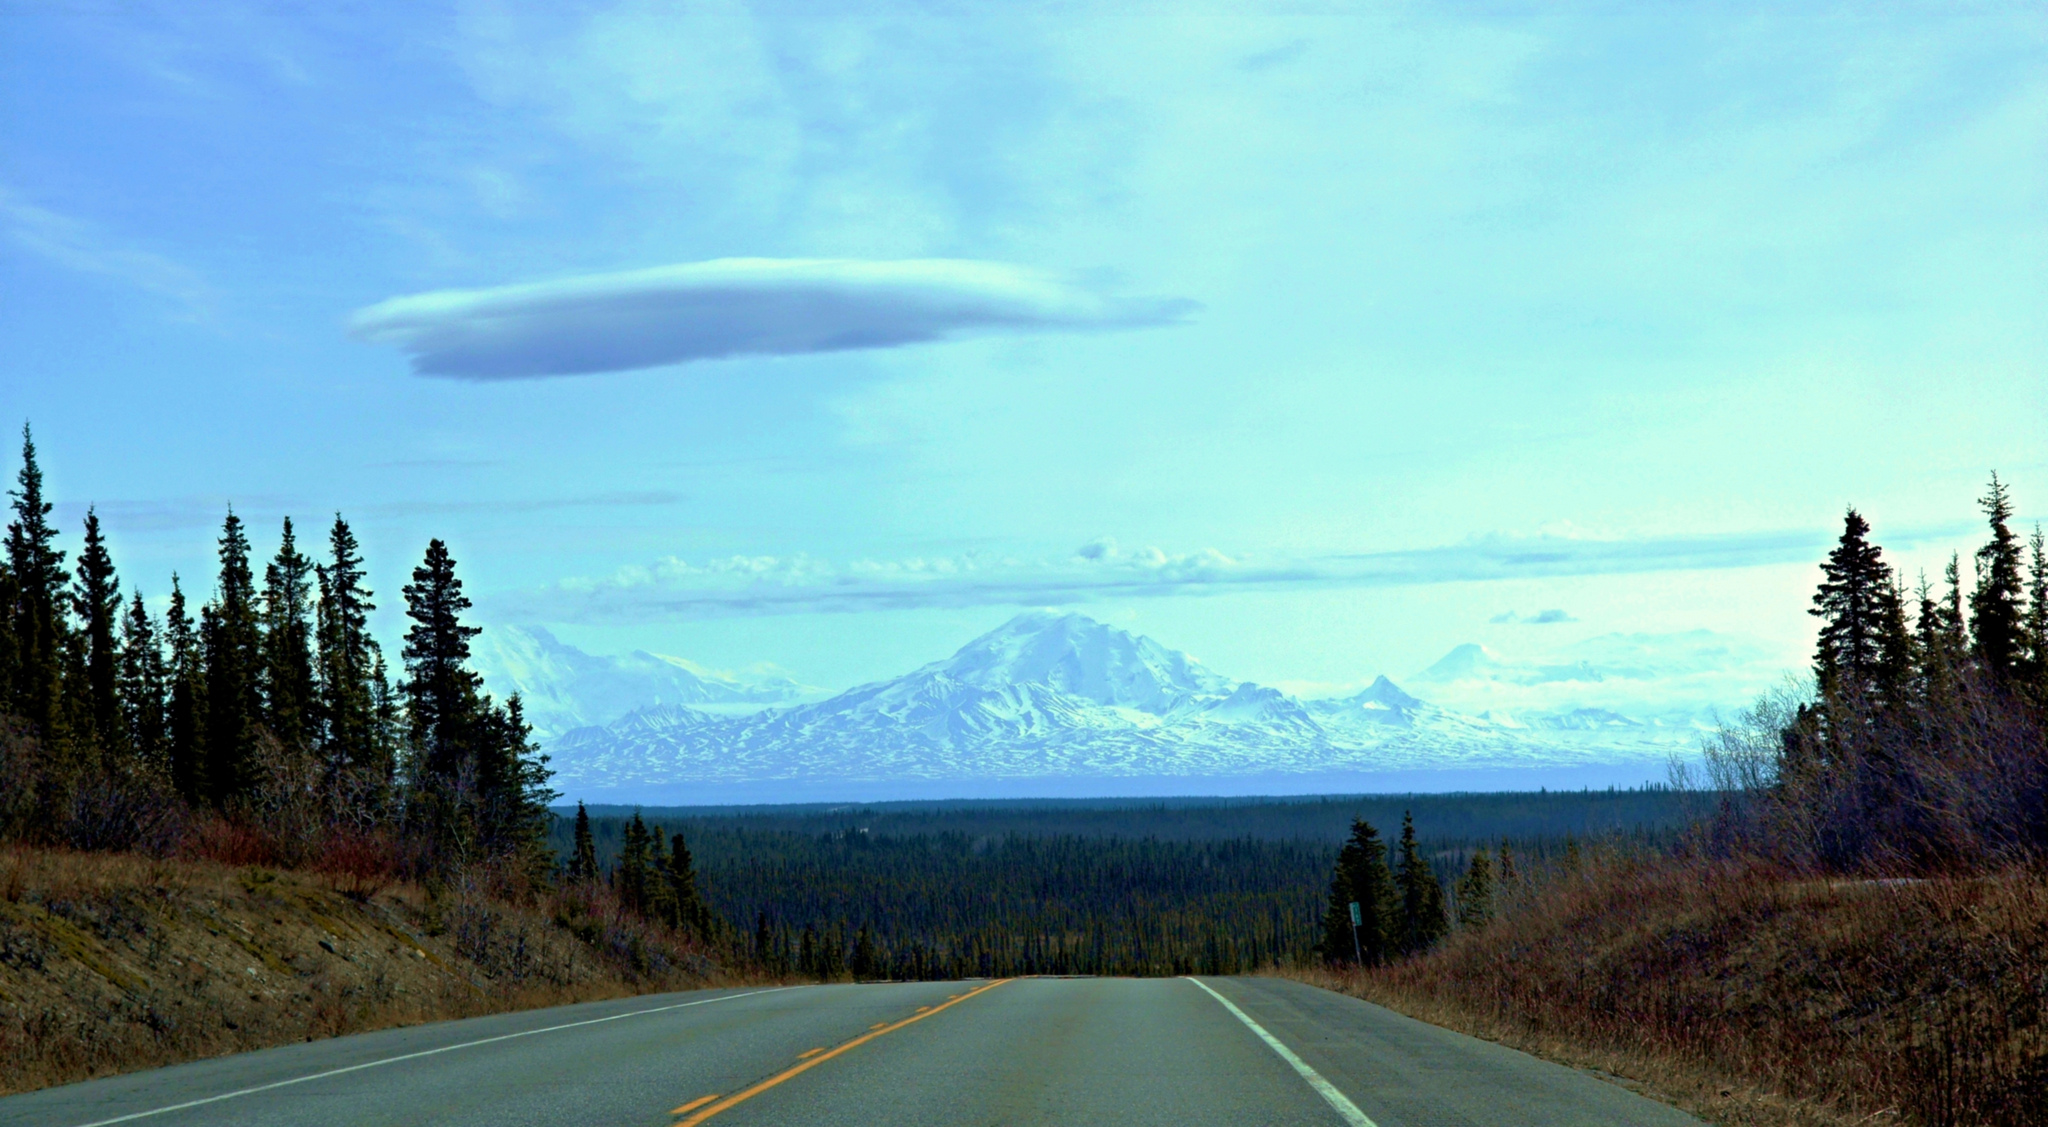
[
  {"x": 583, "y": 856},
  {"x": 1475, "y": 892},
  {"x": 1892, "y": 676},
  {"x": 387, "y": 721},
  {"x": 233, "y": 644},
  {"x": 440, "y": 689},
  {"x": 97, "y": 602},
  {"x": 1423, "y": 920},
  {"x": 186, "y": 722},
  {"x": 348, "y": 663},
  {"x": 2037, "y": 620},
  {"x": 682, "y": 879},
  {"x": 39, "y": 625},
  {"x": 144, "y": 689},
  {"x": 1362, "y": 876},
  {"x": 1997, "y": 633},
  {"x": 287, "y": 681},
  {"x": 511, "y": 783},
  {"x": 1851, "y": 603},
  {"x": 1954, "y": 630},
  {"x": 632, "y": 873},
  {"x": 1940, "y": 660},
  {"x": 10, "y": 649},
  {"x": 660, "y": 893}
]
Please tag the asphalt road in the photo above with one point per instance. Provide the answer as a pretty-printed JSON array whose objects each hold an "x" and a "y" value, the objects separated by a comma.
[{"x": 1029, "y": 1052}]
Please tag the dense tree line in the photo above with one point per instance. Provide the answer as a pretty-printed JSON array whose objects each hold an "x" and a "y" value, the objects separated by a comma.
[
  {"x": 943, "y": 889},
  {"x": 958, "y": 903},
  {"x": 270, "y": 711},
  {"x": 1922, "y": 745},
  {"x": 1450, "y": 818}
]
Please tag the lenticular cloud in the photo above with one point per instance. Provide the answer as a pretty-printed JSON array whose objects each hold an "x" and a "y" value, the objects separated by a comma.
[{"x": 733, "y": 307}]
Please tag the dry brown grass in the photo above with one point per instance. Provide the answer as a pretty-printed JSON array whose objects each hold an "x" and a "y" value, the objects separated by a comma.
[
  {"x": 114, "y": 962},
  {"x": 1752, "y": 998}
]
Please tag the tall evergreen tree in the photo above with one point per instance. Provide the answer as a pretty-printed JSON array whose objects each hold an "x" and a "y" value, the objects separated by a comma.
[
  {"x": 1475, "y": 892},
  {"x": 1940, "y": 655},
  {"x": 144, "y": 688},
  {"x": 440, "y": 689},
  {"x": 40, "y": 627},
  {"x": 691, "y": 910},
  {"x": 510, "y": 780},
  {"x": 1362, "y": 876},
  {"x": 288, "y": 691},
  {"x": 97, "y": 602},
  {"x": 186, "y": 722},
  {"x": 1997, "y": 634},
  {"x": 583, "y": 857},
  {"x": 1851, "y": 604},
  {"x": 2037, "y": 619},
  {"x": 1423, "y": 919},
  {"x": 233, "y": 644},
  {"x": 1892, "y": 677},
  {"x": 348, "y": 662},
  {"x": 632, "y": 871},
  {"x": 658, "y": 892}
]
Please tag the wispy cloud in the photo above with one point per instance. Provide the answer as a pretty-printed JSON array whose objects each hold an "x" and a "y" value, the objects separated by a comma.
[
  {"x": 1540, "y": 618},
  {"x": 180, "y": 513},
  {"x": 768, "y": 585},
  {"x": 733, "y": 307},
  {"x": 82, "y": 247}
]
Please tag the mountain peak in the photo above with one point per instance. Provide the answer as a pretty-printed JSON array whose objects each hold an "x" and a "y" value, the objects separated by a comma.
[
  {"x": 1084, "y": 658},
  {"x": 1464, "y": 661}
]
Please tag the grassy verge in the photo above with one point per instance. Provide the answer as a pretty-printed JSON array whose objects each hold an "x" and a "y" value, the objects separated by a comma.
[
  {"x": 1749, "y": 997},
  {"x": 115, "y": 962}
]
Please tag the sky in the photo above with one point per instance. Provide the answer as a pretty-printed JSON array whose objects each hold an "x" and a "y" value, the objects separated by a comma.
[{"x": 1314, "y": 339}]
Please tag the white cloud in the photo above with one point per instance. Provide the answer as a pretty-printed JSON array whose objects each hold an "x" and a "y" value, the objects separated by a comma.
[
  {"x": 77, "y": 245},
  {"x": 734, "y": 307},
  {"x": 802, "y": 584}
]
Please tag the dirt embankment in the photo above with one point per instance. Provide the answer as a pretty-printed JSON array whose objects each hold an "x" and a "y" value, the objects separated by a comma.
[
  {"x": 1752, "y": 998},
  {"x": 110, "y": 963}
]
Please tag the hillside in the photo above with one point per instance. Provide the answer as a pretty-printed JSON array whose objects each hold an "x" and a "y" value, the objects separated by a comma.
[
  {"x": 1752, "y": 997},
  {"x": 112, "y": 962}
]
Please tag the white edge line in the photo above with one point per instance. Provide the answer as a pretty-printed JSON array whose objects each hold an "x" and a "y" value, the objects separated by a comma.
[
  {"x": 1336, "y": 1099},
  {"x": 414, "y": 1056}
]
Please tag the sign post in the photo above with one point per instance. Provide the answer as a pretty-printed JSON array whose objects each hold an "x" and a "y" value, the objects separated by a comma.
[{"x": 1356, "y": 919}]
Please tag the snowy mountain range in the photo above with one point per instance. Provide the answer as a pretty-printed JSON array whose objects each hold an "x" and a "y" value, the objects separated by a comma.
[
  {"x": 564, "y": 688},
  {"x": 1056, "y": 703}
]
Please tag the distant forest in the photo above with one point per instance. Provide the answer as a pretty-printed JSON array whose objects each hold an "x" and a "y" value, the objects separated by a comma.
[{"x": 1153, "y": 887}]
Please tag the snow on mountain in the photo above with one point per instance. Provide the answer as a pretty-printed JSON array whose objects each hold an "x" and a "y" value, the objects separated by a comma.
[
  {"x": 1678, "y": 681},
  {"x": 1084, "y": 658},
  {"x": 1062, "y": 696},
  {"x": 565, "y": 688}
]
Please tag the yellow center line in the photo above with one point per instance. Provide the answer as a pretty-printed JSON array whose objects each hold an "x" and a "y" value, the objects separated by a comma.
[
  {"x": 878, "y": 1025},
  {"x": 741, "y": 1097},
  {"x": 810, "y": 1052},
  {"x": 700, "y": 1101}
]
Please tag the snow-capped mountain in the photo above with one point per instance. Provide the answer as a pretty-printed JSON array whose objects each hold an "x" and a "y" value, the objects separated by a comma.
[
  {"x": 1061, "y": 696},
  {"x": 564, "y": 688},
  {"x": 1610, "y": 682}
]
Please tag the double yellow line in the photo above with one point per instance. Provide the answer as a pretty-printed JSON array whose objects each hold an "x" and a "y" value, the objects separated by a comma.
[{"x": 741, "y": 1097}]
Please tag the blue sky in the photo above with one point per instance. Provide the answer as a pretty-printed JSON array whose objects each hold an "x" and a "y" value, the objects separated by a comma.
[{"x": 1310, "y": 338}]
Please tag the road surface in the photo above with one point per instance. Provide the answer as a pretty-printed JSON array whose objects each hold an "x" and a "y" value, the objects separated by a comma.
[{"x": 1024, "y": 1052}]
